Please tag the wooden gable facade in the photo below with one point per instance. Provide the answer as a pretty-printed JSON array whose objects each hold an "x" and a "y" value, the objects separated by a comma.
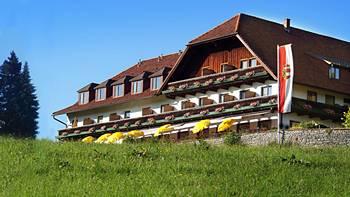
[{"x": 211, "y": 58}]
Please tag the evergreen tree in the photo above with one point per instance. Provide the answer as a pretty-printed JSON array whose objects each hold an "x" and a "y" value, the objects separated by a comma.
[
  {"x": 18, "y": 103},
  {"x": 29, "y": 105}
]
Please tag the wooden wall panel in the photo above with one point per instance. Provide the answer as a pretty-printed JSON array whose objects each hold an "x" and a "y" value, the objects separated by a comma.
[{"x": 215, "y": 59}]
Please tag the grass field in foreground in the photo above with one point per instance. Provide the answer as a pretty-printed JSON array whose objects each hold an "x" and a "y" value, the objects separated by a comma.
[{"x": 44, "y": 168}]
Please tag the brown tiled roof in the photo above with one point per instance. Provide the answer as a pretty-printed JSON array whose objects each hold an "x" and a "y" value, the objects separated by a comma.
[
  {"x": 227, "y": 28},
  {"x": 263, "y": 36},
  {"x": 150, "y": 65},
  {"x": 103, "y": 84},
  {"x": 88, "y": 87}
]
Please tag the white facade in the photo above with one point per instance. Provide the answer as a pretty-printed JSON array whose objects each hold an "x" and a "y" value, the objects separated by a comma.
[{"x": 135, "y": 107}]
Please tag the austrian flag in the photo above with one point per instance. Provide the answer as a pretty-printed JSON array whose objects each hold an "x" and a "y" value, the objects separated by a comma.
[{"x": 285, "y": 77}]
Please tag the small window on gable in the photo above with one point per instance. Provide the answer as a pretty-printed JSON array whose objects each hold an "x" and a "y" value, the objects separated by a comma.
[
  {"x": 101, "y": 94},
  {"x": 156, "y": 82},
  {"x": 83, "y": 98},
  {"x": 136, "y": 87},
  {"x": 118, "y": 90},
  {"x": 246, "y": 63},
  {"x": 334, "y": 72}
]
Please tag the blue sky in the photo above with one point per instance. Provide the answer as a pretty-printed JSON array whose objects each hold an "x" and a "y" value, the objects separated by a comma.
[{"x": 71, "y": 43}]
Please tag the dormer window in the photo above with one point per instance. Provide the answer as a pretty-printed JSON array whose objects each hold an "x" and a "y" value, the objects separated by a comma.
[
  {"x": 156, "y": 82},
  {"x": 83, "y": 98},
  {"x": 136, "y": 87},
  {"x": 334, "y": 72},
  {"x": 100, "y": 94},
  {"x": 118, "y": 90}
]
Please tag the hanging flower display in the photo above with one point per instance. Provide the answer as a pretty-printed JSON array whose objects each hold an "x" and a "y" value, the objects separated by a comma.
[
  {"x": 208, "y": 82},
  {"x": 127, "y": 124},
  {"x": 187, "y": 114},
  {"x": 254, "y": 104},
  {"x": 225, "y": 125},
  {"x": 163, "y": 129},
  {"x": 172, "y": 88},
  {"x": 76, "y": 131},
  {"x": 272, "y": 101},
  {"x": 151, "y": 120},
  {"x": 237, "y": 106},
  {"x": 234, "y": 77},
  {"x": 196, "y": 84},
  {"x": 307, "y": 107},
  {"x": 220, "y": 109},
  {"x": 115, "y": 126},
  {"x": 103, "y": 127},
  {"x": 220, "y": 79},
  {"x": 204, "y": 112},
  {"x": 138, "y": 123},
  {"x": 92, "y": 129},
  {"x": 183, "y": 86},
  {"x": 171, "y": 117},
  {"x": 249, "y": 74}
]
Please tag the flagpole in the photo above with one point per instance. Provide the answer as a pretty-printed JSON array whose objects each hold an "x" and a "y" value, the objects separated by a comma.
[{"x": 278, "y": 97}]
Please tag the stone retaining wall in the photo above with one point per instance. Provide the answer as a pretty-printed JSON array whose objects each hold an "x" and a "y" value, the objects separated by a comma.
[{"x": 308, "y": 137}]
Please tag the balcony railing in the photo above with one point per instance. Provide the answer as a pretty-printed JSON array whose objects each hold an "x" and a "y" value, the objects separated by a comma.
[
  {"x": 186, "y": 115},
  {"x": 215, "y": 81},
  {"x": 320, "y": 110}
]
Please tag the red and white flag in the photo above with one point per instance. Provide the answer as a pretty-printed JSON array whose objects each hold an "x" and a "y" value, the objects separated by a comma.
[{"x": 285, "y": 77}]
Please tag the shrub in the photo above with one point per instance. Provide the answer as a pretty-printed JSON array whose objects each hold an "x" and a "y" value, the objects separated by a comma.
[
  {"x": 307, "y": 125},
  {"x": 346, "y": 119},
  {"x": 232, "y": 138}
]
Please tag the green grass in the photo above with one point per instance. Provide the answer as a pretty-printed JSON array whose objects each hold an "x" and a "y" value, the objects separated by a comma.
[{"x": 44, "y": 168}]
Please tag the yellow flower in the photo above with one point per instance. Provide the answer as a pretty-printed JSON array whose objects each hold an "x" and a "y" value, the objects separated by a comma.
[
  {"x": 115, "y": 137},
  {"x": 103, "y": 138},
  {"x": 135, "y": 133},
  {"x": 88, "y": 139},
  {"x": 163, "y": 129},
  {"x": 201, "y": 125},
  {"x": 225, "y": 125}
]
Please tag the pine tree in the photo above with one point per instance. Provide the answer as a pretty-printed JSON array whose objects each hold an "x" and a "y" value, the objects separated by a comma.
[
  {"x": 18, "y": 103},
  {"x": 29, "y": 105}
]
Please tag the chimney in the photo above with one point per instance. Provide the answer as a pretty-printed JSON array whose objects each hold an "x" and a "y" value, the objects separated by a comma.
[
  {"x": 286, "y": 25},
  {"x": 180, "y": 52},
  {"x": 159, "y": 58},
  {"x": 139, "y": 63}
]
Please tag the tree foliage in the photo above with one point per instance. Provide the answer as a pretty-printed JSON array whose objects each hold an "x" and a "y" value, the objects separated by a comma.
[
  {"x": 346, "y": 119},
  {"x": 18, "y": 102}
]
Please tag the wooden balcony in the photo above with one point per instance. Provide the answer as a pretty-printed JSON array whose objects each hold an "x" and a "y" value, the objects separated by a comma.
[
  {"x": 217, "y": 81},
  {"x": 319, "y": 110},
  {"x": 243, "y": 106}
]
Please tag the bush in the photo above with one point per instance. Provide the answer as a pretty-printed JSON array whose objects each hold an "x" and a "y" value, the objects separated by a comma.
[
  {"x": 346, "y": 119},
  {"x": 232, "y": 138},
  {"x": 308, "y": 125}
]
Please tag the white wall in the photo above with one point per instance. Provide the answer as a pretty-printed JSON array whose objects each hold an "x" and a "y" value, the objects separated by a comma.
[{"x": 155, "y": 103}]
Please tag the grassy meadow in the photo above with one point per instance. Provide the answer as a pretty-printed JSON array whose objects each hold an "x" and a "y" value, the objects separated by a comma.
[{"x": 44, "y": 168}]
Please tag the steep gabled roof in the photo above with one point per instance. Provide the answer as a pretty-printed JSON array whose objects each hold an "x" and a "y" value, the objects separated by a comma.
[
  {"x": 227, "y": 28},
  {"x": 88, "y": 87},
  {"x": 262, "y": 37}
]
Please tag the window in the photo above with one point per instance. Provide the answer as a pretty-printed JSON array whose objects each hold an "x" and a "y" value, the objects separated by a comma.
[
  {"x": 226, "y": 67},
  {"x": 127, "y": 114},
  {"x": 330, "y": 100},
  {"x": 113, "y": 116},
  {"x": 156, "y": 82},
  {"x": 100, "y": 94},
  {"x": 201, "y": 101},
  {"x": 334, "y": 72},
  {"x": 311, "y": 96},
  {"x": 137, "y": 87},
  {"x": 266, "y": 91},
  {"x": 99, "y": 119},
  {"x": 222, "y": 98},
  {"x": 166, "y": 108},
  {"x": 246, "y": 63},
  {"x": 83, "y": 98},
  {"x": 118, "y": 90},
  {"x": 242, "y": 94},
  {"x": 253, "y": 62}
]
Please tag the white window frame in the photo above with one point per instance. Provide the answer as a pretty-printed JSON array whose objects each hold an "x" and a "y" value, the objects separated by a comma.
[
  {"x": 154, "y": 82},
  {"x": 334, "y": 72},
  {"x": 134, "y": 87},
  {"x": 101, "y": 94},
  {"x": 84, "y": 97},
  {"x": 115, "y": 90},
  {"x": 269, "y": 90}
]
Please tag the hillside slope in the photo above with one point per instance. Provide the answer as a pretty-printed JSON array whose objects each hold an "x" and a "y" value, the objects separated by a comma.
[{"x": 44, "y": 168}]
